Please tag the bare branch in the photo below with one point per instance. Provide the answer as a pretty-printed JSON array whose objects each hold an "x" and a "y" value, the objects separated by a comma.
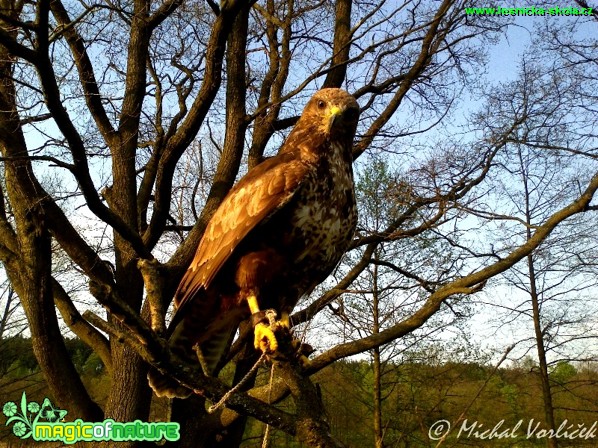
[
  {"x": 464, "y": 285},
  {"x": 155, "y": 351},
  {"x": 86, "y": 332}
]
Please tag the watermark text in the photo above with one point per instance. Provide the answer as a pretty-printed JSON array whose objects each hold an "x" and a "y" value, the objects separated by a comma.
[{"x": 522, "y": 429}]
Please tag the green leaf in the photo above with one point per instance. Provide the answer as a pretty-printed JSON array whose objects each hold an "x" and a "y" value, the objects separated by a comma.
[{"x": 24, "y": 404}]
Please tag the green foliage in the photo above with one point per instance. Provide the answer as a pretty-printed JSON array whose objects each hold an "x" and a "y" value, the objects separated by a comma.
[
  {"x": 415, "y": 395},
  {"x": 16, "y": 357},
  {"x": 77, "y": 350},
  {"x": 16, "y": 353},
  {"x": 563, "y": 372},
  {"x": 93, "y": 366}
]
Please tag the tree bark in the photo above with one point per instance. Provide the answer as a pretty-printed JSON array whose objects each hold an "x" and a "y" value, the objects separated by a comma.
[
  {"x": 341, "y": 45},
  {"x": 27, "y": 254},
  {"x": 551, "y": 442},
  {"x": 312, "y": 428},
  {"x": 377, "y": 367},
  {"x": 186, "y": 412}
]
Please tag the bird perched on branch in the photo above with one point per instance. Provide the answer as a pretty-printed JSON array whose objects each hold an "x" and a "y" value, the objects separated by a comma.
[{"x": 278, "y": 233}]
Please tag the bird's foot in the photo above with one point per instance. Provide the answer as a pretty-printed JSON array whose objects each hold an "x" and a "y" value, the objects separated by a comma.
[
  {"x": 284, "y": 322},
  {"x": 264, "y": 340},
  {"x": 266, "y": 326}
]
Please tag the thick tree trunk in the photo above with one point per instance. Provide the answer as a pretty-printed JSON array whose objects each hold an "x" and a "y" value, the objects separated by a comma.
[
  {"x": 33, "y": 285},
  {"x": 130, "y": 396},
  {"x": 27, "y": 255},
  {"x": 341, "y": 45},
  {"x": 191, "y": 415}
]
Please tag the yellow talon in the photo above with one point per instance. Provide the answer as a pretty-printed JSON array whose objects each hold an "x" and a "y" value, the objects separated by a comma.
[
  {"x": 264, "y": 338},
  {"x": 264, "y": 334}
]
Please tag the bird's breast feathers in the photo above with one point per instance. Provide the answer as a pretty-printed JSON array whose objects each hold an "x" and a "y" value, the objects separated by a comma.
[{"x": 325, "y": 215}]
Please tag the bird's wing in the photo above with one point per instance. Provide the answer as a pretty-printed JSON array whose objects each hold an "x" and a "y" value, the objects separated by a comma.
[{"x": 260, "y": 193}]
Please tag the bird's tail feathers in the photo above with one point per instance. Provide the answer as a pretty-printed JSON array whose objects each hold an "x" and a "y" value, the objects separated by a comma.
[
  {"x": 212, "y": 348},
  {"x": 181, "y": 344}
]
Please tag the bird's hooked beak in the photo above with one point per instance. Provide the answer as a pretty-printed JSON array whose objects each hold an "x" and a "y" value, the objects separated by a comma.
[{"x": 335, "y": 116}]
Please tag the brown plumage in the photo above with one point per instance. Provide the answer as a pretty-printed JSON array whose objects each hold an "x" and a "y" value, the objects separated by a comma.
[{"x": 279, "y": 232}]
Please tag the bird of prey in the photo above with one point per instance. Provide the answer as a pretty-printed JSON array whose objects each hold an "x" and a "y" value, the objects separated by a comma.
[{"x": 278, "y": 233}]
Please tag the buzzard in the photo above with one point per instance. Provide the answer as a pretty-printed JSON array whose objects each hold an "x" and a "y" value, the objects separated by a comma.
[{"x": 278, "y": 233}]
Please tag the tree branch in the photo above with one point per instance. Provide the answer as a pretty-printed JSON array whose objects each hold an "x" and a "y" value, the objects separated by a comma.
[
  {"x": 429, "y": 45},
  {"x": 77, "y": 147},
  {"x": 87, "y": 78},
  {"x": 341, "y": 44},
  {"x": 86, "y": 332},
  {"x": 182, "y": 138},
  {"x": 463, "y": 285},
  {"x": 155, "y": 351}
]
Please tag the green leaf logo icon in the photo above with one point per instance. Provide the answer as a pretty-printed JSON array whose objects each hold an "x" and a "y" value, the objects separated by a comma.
[{"x": 25, "y": 416}]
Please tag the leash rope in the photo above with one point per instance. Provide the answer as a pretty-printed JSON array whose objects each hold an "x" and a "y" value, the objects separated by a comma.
[
  {"x": 271, "y": 315},
  {"x": 240, "y": 384}
]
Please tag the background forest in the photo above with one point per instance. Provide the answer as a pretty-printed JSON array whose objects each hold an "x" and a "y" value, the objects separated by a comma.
[
  {"x": 469, "y": 290},
  {"x": 423, "y": 388}
]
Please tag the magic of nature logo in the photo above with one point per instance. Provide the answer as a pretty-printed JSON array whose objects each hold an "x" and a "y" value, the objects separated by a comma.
[{"x": 44, "y": 422}]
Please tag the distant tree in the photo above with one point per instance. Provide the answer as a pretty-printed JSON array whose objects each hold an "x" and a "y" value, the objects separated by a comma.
[
  {"x": 17, "y": 356},
  {"x": 539, "y": 175},
  {"x": 388, "y": 290},
  {"x": 10, "y": 322}
]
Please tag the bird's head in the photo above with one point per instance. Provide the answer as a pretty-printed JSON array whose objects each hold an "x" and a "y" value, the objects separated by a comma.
[
  {"x": 330, "y": 115},
  {"x": 335, "y": 113}
]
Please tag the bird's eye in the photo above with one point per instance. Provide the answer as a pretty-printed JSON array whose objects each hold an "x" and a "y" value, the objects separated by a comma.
[{"x": 321, "y": 104}]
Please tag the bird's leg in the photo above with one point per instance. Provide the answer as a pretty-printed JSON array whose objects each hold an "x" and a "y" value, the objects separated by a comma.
[{"x": 264, "y": 334}]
